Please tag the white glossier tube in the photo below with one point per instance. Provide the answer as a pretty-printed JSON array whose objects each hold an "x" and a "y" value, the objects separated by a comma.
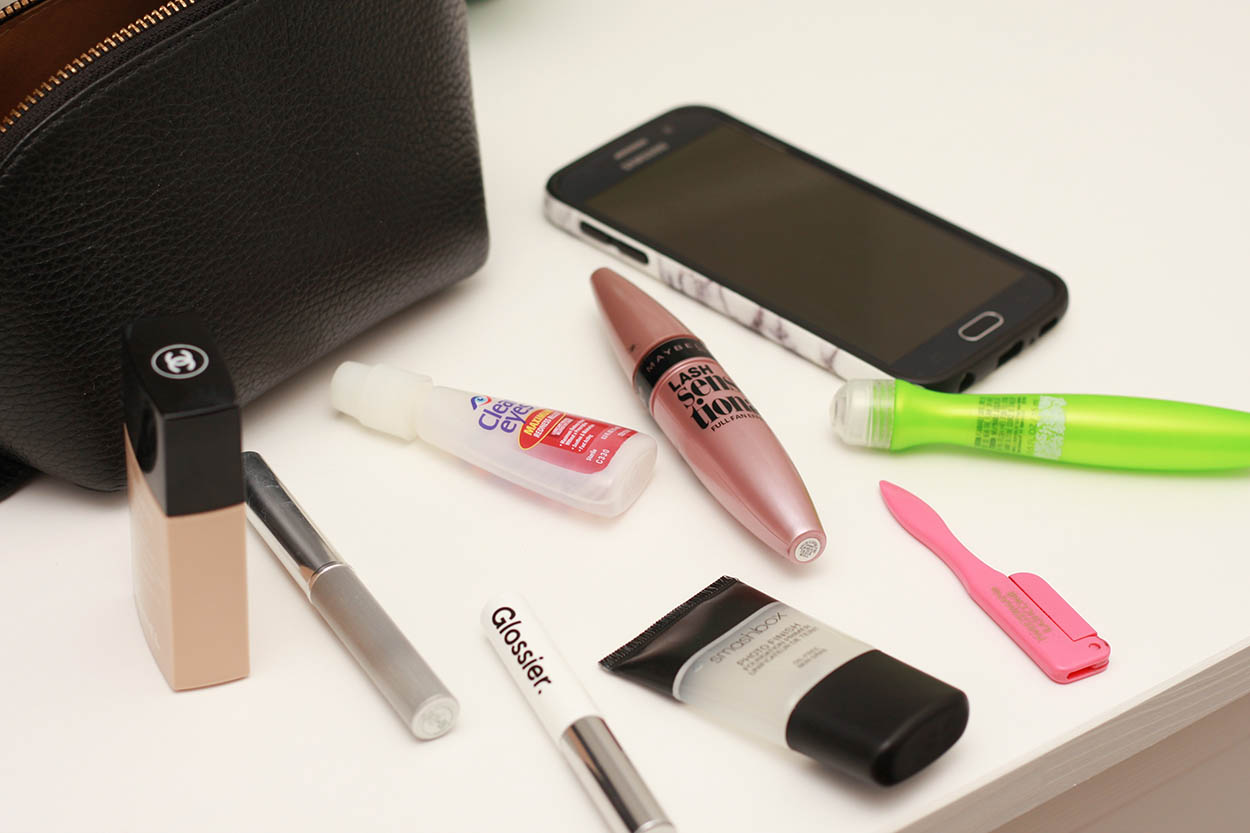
[
  {"x": 570, "y": 718},
  {"x": 595, "y": 466}
]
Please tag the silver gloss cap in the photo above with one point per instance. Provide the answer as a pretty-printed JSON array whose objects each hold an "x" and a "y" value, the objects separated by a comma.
[
  {"x": 609, "y": 777},
  {"x": 294, "y": 540}
]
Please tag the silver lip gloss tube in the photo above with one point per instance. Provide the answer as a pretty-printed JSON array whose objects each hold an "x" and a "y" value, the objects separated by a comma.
[{"x": 405, "y": 680}]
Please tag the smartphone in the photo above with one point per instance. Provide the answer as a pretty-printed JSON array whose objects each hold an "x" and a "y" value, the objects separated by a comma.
[{"x": 808, "y": 255}]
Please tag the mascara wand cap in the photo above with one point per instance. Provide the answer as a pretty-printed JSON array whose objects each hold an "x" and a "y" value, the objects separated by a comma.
[
  {"x": 862, "y": 412},
  {"x": 382, "y": 397}
]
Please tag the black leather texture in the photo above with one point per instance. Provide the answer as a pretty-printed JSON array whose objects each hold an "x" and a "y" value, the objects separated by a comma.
[
  {"x": 292, "y": 170},
  {"x": 13, "y": 476}
]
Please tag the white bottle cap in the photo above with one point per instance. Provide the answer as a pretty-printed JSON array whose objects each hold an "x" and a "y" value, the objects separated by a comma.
[
  {"x": 862, "y": 412},
  {"x": 382, "y": 397}
]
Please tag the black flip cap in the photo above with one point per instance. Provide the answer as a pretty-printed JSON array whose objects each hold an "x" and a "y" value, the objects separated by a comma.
[
  {"x": 878, "y": 719},
  {"x": 181, "y": 414}
]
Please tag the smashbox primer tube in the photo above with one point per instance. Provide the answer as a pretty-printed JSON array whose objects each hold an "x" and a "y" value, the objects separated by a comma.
[{"x": 756, "y": 663}]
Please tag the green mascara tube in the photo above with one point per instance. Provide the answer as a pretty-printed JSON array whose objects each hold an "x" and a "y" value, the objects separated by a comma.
[{"x": 1114, "y": 431}]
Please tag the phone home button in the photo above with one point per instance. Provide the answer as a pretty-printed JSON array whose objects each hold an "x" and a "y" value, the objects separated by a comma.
[{"x": 980, "y": 326}]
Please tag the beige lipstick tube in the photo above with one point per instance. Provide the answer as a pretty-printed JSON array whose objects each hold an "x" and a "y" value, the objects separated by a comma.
[{"x": 185, "y": 485}]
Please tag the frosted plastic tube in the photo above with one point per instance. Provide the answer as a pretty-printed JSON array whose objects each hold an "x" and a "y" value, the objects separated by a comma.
[{"x": 764, "y": 667}]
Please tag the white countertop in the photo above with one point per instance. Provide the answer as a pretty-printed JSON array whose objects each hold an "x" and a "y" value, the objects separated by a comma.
[{"x": 1105, "y": 141}]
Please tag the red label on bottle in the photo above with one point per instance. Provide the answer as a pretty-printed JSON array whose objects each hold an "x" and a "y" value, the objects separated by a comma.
[{"x": 572, "y": 442}]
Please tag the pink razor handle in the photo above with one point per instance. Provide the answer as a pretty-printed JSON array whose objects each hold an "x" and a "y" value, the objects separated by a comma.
[{"x": 1045, "y": 627}]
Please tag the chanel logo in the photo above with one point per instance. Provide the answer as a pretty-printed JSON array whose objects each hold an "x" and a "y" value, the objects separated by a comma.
[{"x": 179, "y": 361}]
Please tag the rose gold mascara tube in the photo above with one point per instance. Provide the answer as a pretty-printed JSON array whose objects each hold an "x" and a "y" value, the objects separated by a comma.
[
  {"x": 338, "y": 594},
  {"x": 709, "y": 420}
]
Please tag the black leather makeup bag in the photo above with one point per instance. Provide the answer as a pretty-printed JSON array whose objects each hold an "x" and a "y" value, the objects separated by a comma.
[{"x": 292, "y": 170}]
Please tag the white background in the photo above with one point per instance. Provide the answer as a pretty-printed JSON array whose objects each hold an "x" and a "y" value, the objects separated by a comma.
[{"x": 1106, "y": 141}]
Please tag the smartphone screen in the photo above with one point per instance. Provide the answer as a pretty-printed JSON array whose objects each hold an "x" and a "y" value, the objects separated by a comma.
[{"x": 819, "y": 247}]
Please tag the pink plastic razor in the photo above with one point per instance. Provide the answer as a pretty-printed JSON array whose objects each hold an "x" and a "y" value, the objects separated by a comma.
[{"x": 1045, "y": 627}]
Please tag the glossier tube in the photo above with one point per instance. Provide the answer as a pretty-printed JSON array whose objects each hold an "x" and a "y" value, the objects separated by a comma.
[
  {"x": 757, "y": 664},
  {"x": 709, "y": 420},
  {"x": 570, "y": 718}
]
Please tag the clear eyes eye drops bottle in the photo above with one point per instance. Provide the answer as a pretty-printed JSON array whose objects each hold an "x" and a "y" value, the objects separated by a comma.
[
  {"x": 588, "y": 464},
  {"x": 1115, "y": 431}
]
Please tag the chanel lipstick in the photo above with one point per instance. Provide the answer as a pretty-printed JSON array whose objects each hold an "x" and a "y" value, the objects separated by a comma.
[
  {"x": 709, "y": 420},
  {"x": 185, "y": 483}
]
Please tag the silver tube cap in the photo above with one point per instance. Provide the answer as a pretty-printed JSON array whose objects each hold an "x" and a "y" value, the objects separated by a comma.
[
  {"x": 279, "y": 520},
  {"x": 609, "y": 777}
]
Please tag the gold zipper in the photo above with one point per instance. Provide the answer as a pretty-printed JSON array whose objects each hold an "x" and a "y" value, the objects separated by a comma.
[
  {"x": 160, "y": 13},
  {"x": 15, "y": 7}
]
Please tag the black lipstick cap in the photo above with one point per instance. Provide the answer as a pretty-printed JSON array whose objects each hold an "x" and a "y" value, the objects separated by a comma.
[{"x": 181, "y": 415}]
